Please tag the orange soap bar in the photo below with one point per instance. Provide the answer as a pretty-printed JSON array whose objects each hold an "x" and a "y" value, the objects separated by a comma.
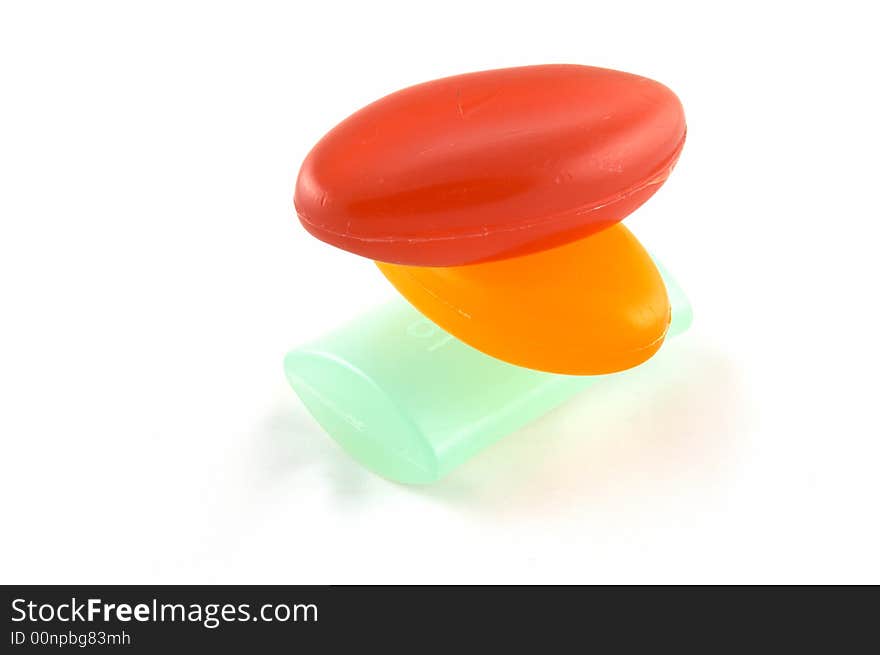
[
  {"x": 590, "y": 307},
  {"x": 490, "y": 165}
]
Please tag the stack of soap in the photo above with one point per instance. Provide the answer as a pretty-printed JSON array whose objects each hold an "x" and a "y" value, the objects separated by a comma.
[{"x": 492, "y": 202}]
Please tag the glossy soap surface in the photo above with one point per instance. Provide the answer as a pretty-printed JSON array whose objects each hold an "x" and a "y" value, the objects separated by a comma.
[
  {"x": 594, "y": 306},
  {"x": 412, "y": 402},
  {"x": 490, "y": 165}
]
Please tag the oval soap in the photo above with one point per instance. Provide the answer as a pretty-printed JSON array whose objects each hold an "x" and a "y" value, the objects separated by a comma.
[
  {"x": 490, "y": 165},
  {"x": 594, "y": 306}
]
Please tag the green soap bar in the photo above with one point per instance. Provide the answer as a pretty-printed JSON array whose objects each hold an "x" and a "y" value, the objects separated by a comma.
[{"x": 411, "y": 402}]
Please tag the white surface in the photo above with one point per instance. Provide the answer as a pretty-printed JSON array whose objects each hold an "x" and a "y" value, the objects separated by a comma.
[{"x": 152, "y": 275}]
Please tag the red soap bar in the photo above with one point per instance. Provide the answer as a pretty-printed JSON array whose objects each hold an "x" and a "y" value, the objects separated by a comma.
[{"x": 490, "y": 165}]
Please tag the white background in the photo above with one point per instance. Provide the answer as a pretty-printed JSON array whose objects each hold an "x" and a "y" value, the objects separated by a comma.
[{"x": 153, "y": 273}]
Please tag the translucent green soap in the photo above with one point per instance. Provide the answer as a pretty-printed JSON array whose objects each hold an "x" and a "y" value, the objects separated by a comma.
[{"x": 410, "y": 402}]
